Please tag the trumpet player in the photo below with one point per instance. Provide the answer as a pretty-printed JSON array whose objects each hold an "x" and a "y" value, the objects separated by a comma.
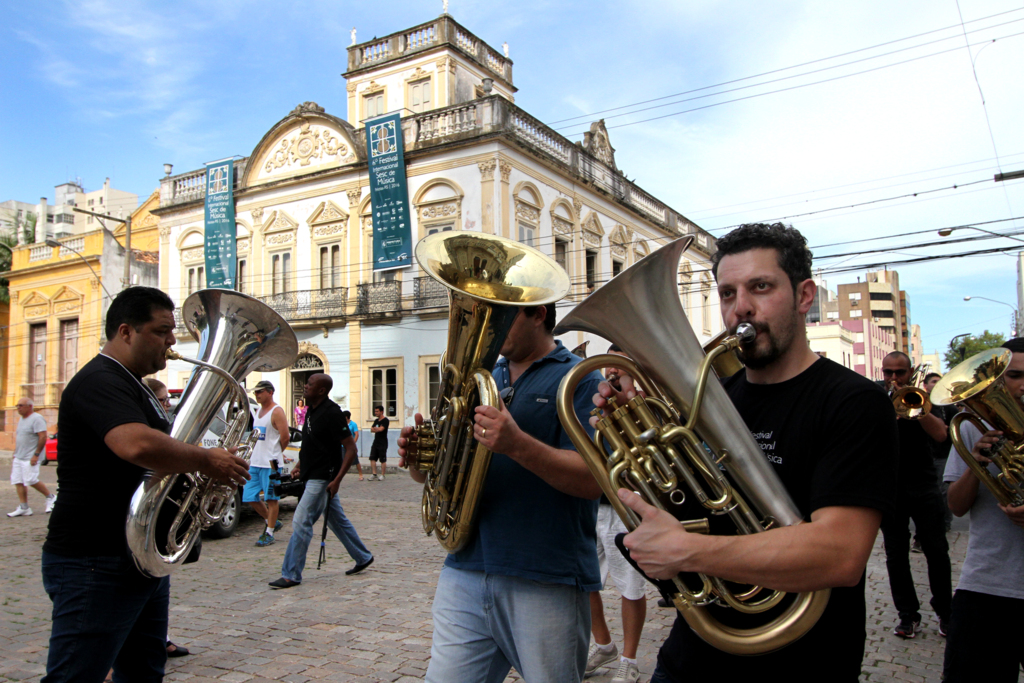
[
  {"x": 918, "y": 498},
  {"x": 518, "y": 593},
  {"x": 986, "y": 631},
  {"x": 829, "y": 435},
  {"x": 112, "y": 429}
]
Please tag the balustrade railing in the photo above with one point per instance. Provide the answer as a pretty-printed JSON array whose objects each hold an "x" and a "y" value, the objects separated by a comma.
[
  {"x": 429, "y": 293},
  {"x": 36, "y": 392},
  {"x": 447, "y": 122},
  {"x": 40, "y": 253},
  {"x": 69, "y": 247},
  {"x": 535, "y": 133},
  {"x": 309, "y": 304},
  {"x": 379, "y": 297}
]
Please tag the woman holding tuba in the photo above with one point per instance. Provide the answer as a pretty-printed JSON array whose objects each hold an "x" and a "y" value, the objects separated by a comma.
[{"x": 829, "y": 435}]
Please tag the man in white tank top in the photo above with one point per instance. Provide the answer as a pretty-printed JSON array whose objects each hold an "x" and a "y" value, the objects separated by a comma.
[{"x": 272, "y": 425}]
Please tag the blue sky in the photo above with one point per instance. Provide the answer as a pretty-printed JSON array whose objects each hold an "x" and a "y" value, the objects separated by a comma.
[{"x": 116, "y": 88}]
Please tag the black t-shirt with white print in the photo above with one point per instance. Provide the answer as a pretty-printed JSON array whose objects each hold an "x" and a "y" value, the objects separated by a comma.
[
  {"x": 96, "y": 486},
  {"x": 830, "y": 435}
]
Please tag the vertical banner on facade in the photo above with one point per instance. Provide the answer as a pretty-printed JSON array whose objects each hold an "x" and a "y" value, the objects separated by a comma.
[
  {"x": 389, "y": 193},
  {"x": 220, "y": 225}
]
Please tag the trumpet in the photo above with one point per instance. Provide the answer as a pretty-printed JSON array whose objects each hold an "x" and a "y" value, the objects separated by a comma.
[
  {"x": 683, "y": 439},
  {"x": 977, "y": 385},
  {"x": 911, "y": 402}
]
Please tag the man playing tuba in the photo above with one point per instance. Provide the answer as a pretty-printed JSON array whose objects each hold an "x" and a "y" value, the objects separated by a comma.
[
  {"x": 829, "y": 434},
  {"x": 518, "y": 593}
]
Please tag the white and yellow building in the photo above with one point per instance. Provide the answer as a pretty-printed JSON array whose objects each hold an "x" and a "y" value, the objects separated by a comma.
[{"x": 474, "y": 162}]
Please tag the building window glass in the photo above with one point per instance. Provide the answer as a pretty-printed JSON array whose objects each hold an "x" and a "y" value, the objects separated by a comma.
[
  {"x": 196, "y": 278},
  {"x": 281, "y": 268},
  {"x": 526, "y": 234},
  {"x": 374, "y": 105},
  {"x": 438, "y": 228},
  {"x": 330, "y": 267},
  {"x": 856, "y": 314},
  {"x": 384, "y": 390},
  {"x": 419, "y": 96},
  {"x": 591, "y": 270},
  {"x": 854, "y": 296},
  {"x": 705, "y": 308},
  {"x": 68, "y": 349},
  {"x": 562, "y": 254},
  {"x": 240, "y": 274},
  {"x": 433, "y": 384},
  {"x": 616, "y": 267}
]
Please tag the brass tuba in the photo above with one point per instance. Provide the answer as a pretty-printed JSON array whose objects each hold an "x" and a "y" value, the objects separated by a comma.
[
  {"x": 686, "y": 431},
  {"x": 237, "y": 335},
  {"x": 489, "y": 279},
  {"x": 911, "y": 402},
  {"x": 977, "y": 385}
]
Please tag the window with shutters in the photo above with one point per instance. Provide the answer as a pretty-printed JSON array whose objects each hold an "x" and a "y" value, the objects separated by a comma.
[
  {"x": 68, "y": 349},
  {"x": 281, "y": 270},
  {"x": 240, "y": 274},
  {"x": 420, "y": 95},
  {"x": 373, "y": 105},
  {"x": 384, "y": 388},
  {"x": 196, "y": 278},
  {"x": 330, "y": 266}
]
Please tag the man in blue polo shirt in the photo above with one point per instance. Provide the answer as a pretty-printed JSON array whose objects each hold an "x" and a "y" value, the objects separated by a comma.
[{"x": 518, "y": 593}]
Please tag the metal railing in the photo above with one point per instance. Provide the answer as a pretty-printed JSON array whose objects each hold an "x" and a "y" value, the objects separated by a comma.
[
  {"x": 36, "y": 392},
  {"x": 429, "y": 293},
  {"x": 375, "y": 298},
  {"x": 309, "y": 304}
]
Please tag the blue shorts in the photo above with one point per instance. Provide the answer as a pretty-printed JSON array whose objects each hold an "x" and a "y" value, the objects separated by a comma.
[{"x": 260, "y": 481}]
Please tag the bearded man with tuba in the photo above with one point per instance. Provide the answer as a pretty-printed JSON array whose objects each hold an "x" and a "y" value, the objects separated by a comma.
[
  {"x": 830, "y": 436},
  {"x": 517, "y": 594},
  {"x": 112, "y": 429}
]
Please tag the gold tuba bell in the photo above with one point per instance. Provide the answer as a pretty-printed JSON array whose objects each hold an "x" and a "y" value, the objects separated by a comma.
[
  {"x": 237, "y": 334},
  {"x": 977, "y": 385},
  {"x": 685, "y": 439},
  {"x": 489, "y": 280}
]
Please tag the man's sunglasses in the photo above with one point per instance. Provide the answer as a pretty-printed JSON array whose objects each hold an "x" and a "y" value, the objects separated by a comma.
[{"x": 506, "y": 395}]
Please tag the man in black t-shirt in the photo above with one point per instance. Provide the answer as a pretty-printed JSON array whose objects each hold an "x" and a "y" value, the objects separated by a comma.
[
  {"x": 379, "y": 448},
  {"x": 917, "y": 498},
  {"x": 105, "y": 612},
  {"x": 829, "y": 435},
  {"x": 325, "y": 435}
]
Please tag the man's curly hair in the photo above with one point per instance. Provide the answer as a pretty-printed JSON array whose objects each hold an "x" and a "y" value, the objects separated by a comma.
[{"x": 788, "y": 243}]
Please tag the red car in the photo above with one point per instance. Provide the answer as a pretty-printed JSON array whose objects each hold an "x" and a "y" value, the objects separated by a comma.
[{"x": 51, "y": 450}]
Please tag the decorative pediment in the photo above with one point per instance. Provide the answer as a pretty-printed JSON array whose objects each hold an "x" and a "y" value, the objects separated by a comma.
[
  {"x": 418, "y": 74},
  {"x": 35, "y": 306},
  {"x": 327, "y": 212},
  {"x": 373, "y": 87},
  {"x": 640, "y": 249},
  {"x": 596, "y": 142},
  {"x": 619, "y": 240},
  {"x": 592, "y": 230},
  {"x": 562, "y": 218},
  {"x": 67, "y": 300},
  {"x": 279, "y": 229},
  {"x": 306, "y": 141},
  {"x": 685, "y": 271}
]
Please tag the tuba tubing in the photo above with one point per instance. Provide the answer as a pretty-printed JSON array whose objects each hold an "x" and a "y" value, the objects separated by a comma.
[
  {"x": 237, "y": 334},
  {"x": 655, "y": 445}
]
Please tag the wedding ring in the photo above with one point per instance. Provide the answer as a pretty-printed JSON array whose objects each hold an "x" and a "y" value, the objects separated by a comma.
[{"x": 484, "y": 433}]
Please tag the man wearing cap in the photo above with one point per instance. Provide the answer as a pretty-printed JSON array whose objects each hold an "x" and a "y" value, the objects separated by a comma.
[{"x": 272, "y": 425}]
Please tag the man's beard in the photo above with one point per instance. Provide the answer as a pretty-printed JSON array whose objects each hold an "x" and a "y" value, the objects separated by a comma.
[{"x": 754, "y": 356}]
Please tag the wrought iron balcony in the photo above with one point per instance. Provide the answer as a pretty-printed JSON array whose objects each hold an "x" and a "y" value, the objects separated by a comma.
[
  {"x": 377, "y": 298},
  {"x": 429, "y": 293},
  {"x": 309, "y": 304}
]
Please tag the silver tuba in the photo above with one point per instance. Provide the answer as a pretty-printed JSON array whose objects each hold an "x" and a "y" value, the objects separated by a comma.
[
  {"x": 237, "y": 334},
  {"x": 684, "y": 448}
]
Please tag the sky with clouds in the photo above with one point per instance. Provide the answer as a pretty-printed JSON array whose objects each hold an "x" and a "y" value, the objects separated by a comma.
[{"x": 830, "y": 116}]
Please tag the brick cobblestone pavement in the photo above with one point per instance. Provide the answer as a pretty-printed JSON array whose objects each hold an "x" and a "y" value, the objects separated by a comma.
[{"x": 375, "y": 626}]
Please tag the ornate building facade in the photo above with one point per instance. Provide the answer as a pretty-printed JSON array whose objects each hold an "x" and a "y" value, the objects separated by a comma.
[{"x": 474, "y": 161}]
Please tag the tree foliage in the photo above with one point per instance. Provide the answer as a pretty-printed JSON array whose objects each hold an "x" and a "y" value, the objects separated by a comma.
[{"x": 965, "y": 347}]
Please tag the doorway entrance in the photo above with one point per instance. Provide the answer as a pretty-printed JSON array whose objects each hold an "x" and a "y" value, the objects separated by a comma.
[{"x": 305, "y": 365}]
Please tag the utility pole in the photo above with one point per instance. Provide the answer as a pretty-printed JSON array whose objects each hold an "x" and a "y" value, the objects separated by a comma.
[{"x": 127, "y": 241}]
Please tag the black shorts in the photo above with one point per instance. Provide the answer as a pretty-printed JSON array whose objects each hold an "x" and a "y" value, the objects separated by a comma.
[{"x": 379, "y": 453}]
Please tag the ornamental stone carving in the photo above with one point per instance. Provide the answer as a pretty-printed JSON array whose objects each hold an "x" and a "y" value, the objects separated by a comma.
[
  {"x": 242, "y": 246},
  {"x": 279, "y": 221},
  {"x": 328, "y": 230},
  {"x": 592, "y": 230},
  {"x": 165, "y": 233},
  {"x": 418, "y": 74},
  {"x": 306, "y": 107},
  {"x": 527, "y": 212},
  {"x": 434, "y": 211},
  {"x": 308, "y": 361},
  {"x": 36, "y": 311},
  {"x": 67, "y": 307},
  {"x": 618, "y": 240},
  {"x": 282, "y": 238},
  {"x": 487, "y": 169},
  {"x": 257, "y": 214},
  {"x": 351, "y": 87},
  {"x": 596, "y": 142},
  {"x": 353, "y": 197},
  {"x": 373, "y": 87},
  {"x": 506, "y": 170},
  {"x": 193, "y": 254},
  {"x": 327, "y": 212},
  {"x": 577, "y": 205},
  {"x": 308, "y": 145},
  {"x": 560, "y": 225},
  {"x": 368, "y": 223},
  {"x": 640, "y": 249}
]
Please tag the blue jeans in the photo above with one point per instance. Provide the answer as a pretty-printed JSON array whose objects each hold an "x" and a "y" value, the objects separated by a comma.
[
  {"x": 484, "y": 624},
  {"x": 308, "y": 511},
  {"x": 105, "y": 614}
]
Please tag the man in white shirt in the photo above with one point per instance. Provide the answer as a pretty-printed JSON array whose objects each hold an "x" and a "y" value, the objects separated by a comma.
[
  {"x": 30, "y": 441},
  {"x": 272, "y": 425}
]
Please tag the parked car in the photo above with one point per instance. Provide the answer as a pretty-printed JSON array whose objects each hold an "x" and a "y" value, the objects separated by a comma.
[{"x": 51, "y": 449}]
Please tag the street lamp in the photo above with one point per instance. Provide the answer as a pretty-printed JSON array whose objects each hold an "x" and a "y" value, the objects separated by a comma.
[
  {"x": 946, "y": 232},
  {"x": 1016, "y": 316},
  {"x": 50, "y": 242}
]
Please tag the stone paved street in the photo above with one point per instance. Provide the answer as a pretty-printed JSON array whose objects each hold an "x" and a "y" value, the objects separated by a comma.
[{"x": 372, "y": 627}]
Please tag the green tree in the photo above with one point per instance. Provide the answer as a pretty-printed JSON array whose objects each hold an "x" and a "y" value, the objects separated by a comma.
[
  {"x": 5, "y": 263},
  {"x": 971, "y": 345}
]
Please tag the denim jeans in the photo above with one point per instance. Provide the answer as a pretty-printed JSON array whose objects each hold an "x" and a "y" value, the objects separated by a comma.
[
  {"x": 105, "y": 614},
  {"x": 308, "y": 511},
  {"x": 926, "y": 510},
  {"x": 484, "y": 624}
]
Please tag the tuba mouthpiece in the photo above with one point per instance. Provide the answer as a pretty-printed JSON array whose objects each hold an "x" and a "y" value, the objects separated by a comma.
[
  {"x": 746, "y": 333},
  {"x": 171, "y": 354}
]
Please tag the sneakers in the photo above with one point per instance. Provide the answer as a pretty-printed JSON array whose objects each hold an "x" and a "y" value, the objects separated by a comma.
[
  {"x": 278, "y": 525},
  {"x": 907, "y": 628},
  {"x": 943, "y": 627},
  {"x": 265, "y": 539},
  {"x": 50, "y": 500},
  {"x": 21, "y": 511},
  {"x": 382, "y": 477},
  {"x": 598, "y": 658},
  {"x": 626, "y": 673},
  {"x": 372, "y": 477}
]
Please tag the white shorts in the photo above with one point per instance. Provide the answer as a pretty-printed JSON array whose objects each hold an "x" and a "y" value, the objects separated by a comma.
[
  {"x": 22, "y": 472},
  {"x": 629, "y": 582}
]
